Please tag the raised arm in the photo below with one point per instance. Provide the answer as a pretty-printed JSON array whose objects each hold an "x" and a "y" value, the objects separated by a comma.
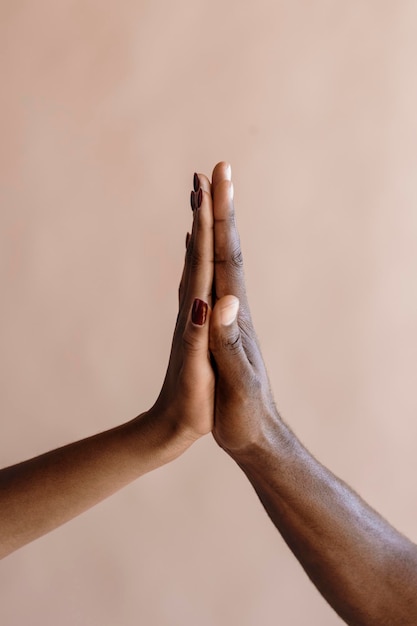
[
  {"x": 364, "y": 568},
  {"x": 42, "y": 493}
]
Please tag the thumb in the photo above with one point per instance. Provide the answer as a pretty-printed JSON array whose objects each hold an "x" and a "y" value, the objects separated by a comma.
[
  {"x": 195, "y": 336},
  {"x": 226, "y": 340}
]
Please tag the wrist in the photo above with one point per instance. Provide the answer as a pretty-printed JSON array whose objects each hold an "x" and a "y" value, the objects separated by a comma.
[
  {"x": 150, "y": 440},
  {"x": 166, "y": 430},
  {"x": 270, "y": 439}
]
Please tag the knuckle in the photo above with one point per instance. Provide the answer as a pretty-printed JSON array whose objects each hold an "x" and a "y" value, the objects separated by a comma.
[
  {"x": 232, "y": 343},
  {"x": 245, "y": 325},
  {"x": 194, "y": 258},
  {"x": 190, "y": 343},
  {"x": 219, "y": 342},
  {"x": 246, "y": 328},
  {"x": 232, "y": 258},
  {"x": 236, "y": 258},
  {"x": 196, "y": 261}
]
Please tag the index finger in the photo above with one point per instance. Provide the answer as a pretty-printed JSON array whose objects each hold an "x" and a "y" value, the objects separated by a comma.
[
  {"x": 198, "y": 272},
  {"x": 229, "y": 276}
]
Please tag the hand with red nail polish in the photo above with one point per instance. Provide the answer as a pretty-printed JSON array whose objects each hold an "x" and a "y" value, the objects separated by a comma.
[
  {"x": 364, "y": 568},
  {"x": 187, "y": 397},
  {"x": 42, "y": 493}
]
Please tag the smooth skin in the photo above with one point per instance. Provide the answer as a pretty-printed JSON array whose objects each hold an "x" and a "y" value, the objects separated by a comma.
[
  {"x": 364, "y": 568},
  {"x": 42, "y": 493}
]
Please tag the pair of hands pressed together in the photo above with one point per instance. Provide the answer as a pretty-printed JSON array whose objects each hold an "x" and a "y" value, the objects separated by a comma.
[
  {"x": 216, "y": 381},
  {"x": 226, "y": 392}
]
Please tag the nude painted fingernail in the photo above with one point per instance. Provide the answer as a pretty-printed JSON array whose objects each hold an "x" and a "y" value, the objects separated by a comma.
[
  {"x": 199, "y": 312},
  {"x": 228, "y": 313}
]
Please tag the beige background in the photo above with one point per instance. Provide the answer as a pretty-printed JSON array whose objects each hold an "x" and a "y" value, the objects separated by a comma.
[{"x": 106, "y": 111}]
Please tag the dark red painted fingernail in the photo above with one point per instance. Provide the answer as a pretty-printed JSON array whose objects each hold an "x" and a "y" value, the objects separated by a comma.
[
  {"x": 187, "y": 239},
  {"x": 196, "y": 182},
  {"x": 199, "y": 198},
  {"x": 192, "y": 201},
  {"x": 199, "y": 312}
]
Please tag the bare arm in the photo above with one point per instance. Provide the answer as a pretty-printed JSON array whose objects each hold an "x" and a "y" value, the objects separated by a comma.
[
  {"x": 42, "y": 493},
  {"x": 363, "y": 567}
]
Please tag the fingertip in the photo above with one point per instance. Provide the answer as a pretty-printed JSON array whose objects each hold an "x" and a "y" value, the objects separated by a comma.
[
  {"x": 204, "y": 182},
  {"x": 223, "y": 199},
  {"x": 222, "y": 171}
]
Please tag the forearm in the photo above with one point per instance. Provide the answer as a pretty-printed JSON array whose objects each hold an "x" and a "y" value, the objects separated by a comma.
[
  {"x": 42, "y": 493},
  {"x": 364, "y": 568}
]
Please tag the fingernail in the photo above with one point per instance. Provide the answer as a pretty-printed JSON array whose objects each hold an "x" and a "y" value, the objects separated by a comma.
[
  {"x": 199, "y": 312},
  {"x": 196, "y": 199},
  {"x": 199, "y": 198},
  {"x": 192, "y": 201},
  {"x": 196, "y": 182},
  {"x": 228, "y": 313},
  {"x": 187, "y": 239}
]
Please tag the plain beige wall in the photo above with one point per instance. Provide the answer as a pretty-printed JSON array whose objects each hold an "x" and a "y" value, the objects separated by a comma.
[{"x": 106, "y": 111}]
